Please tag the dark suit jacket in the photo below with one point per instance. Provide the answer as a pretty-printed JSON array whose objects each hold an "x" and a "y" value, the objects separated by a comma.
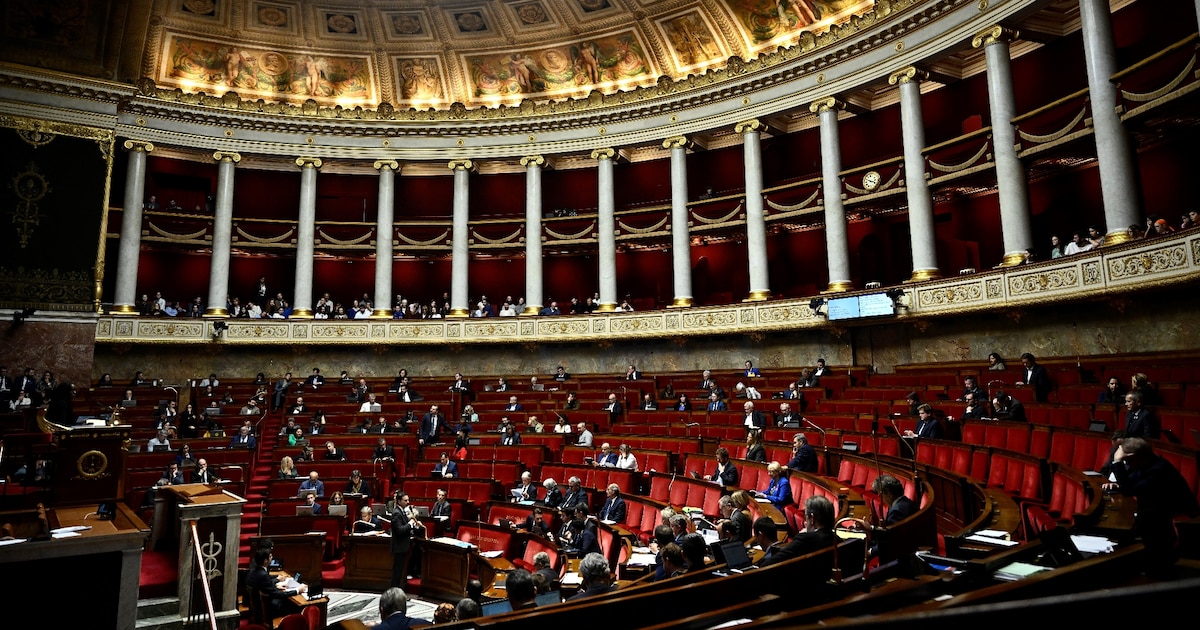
[
  {"x": 250, "y": 443},
  {"x": 428, "y": 433},
  {"x": 385, "y": 452},
  {"x": 929, "y": 429},
  {"x": 400, "y": 621},
  {"x": 803, "y": 543},
  {"x": 804, "y": 460},
  {"x": 363, "y": 527},
  {"x": 615, "y": 410},
  {"x": 1039, "y": 380},
  {"x": 727, "y": 478},
  {"x": 450, "y": 468},
  {"x": 203, "y": 476},
  {"x": 901, "y": 508},
  {"x": 613, "y": 510},
  {"x": 402, "y": 532},
  {"x": 587, "y": 541},
  {"x": 1142, "y": 423},
  {"x": 440, "y": 508},
  {"x": 571, "y": 499},
  {"x": 650, "y": 406},
  {"x": 757, "y": 418}
]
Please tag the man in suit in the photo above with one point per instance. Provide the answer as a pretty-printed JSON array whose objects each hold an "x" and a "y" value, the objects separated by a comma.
[
  {"x": 1035, "y": 376},
  {"x": 313, "y": 484},
  {"x": 519, "y": 590},
  {"x": 614, "y": 408},
  {"x": 402, "y": 535},
  {"x": 753, "y": 419},
  {"x": 1140, "y": 421},
  {"x": 632, "y": 373},
  {"x": 431, "y": 426},
  {"x": 1005, "y": 407},
  {"x": 891, "y": 494},
  {"x": 314, "y": 380},
  {"x": 280, "y": 392},
  {"x": 446, "y": 468},
  {"x": 607, "y": 457},
  {"x": 408, "y": 395},
  {"x": 787, "y": 418},
  {"x": 502, "y": 385},
  {"x": 927, "y": 424},
  {"x": 971, "y": 386},
  {"x": 573, "y": 496},
  {"x": 527, "y": 488},
  {"x": 367, "y": 522},
  {"x": 310, "y": 500},
  {"x": 716, "y": 404},
  {"x": 203, "y": 474},
  {"x": 275, "y": 596},
  {"x": 560, "y": 374},
  {"x": 706, "y": 380},
  {"x": 596, "y": 576},
  {"x": 441, "y": 507},
  {"x": 393, "y": 611},
  {"x": 298, "y": 407},
  {"x": 649, "y": 403},
  {"x": 804, "y": 458},
  {"x": 243, "y": 439},
  {"x": 460, "y": 385},
  {"x": 513, "y": 405},
  {"x": 384, "y": 452},
  {"x": 173, "y": 475},
  {"x": 818, "y": 532},
  {"x": 614, "y": 506},
  {"x": 726, "y": 473},
  {"x": 333, "y": 453},
  {"x": 821, "y": 369}
]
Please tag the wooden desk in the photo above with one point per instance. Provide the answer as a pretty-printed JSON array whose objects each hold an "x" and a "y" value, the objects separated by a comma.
[
  {"x": 445, "y": 569},
  {"x": 298, "y": 553},
  {"x": 369, "y": 563}
]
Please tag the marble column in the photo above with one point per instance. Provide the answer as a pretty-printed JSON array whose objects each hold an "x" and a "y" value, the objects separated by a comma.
[
  {"x": 837, "y": 247},
  {"x": 383, "y": 238},
  {"x": 460, "y": 255},
  {"x": 125, "y": 291},
  {"x": 1118, "y": 174},
  {"x": 607, "y": 228},
  {"x": 1013, "y": 188},
  {"x": 533, "y": 233},
  {"x": 218, "y": 273},
  {"x": 681, "y": 243},
  {"x": 756, "y": 224},
  {"x": 306, "y": 237},
  {"x": 920, "y": 202}
]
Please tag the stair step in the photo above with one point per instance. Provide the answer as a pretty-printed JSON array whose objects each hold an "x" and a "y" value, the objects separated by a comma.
[{"x": 155, "y": 607}]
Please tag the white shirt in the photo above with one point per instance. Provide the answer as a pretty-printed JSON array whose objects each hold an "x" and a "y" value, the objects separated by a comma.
[
  {"x": 562, "y": 428},
  {"x": 628, "y": 462},
  {"x": 585, "y": 438}
]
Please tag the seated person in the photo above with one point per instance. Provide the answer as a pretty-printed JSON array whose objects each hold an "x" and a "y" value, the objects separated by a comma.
[
  {"x": 927, "y": 424},
  {"x": 779, "y": 489},
  {"x": 275, "y": 595},
  {"x": 649, "y": 403},
  {"x": 243, "y": 439},
  {"x": 975, "y": 409},
  {"x": 970, "y": 386},
  {"x": 817, "y": 534},
  {"x": 1005, "y": 407},
  {"x": 367, "y": 522},
  {"x": 596, "y": 576},
  {"x": 527, "y": 488},
  {"x": 333, "y": 453},
  {"x": 357, "y": 485},
  {"x": 312, "y": 485},
  {"x": 310, "y": 500},
  {"x": 607, "y": 458},
  {"x": 445, "y": 468},
  {"x": 804, "y": 458}
]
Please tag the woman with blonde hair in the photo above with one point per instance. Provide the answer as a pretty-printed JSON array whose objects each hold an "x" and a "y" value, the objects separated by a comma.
[{"x": 287, "y": 468}]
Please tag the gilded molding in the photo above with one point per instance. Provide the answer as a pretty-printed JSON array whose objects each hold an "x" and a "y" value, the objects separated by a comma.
[
  {"x": 309, "y": 162},
  {"x": 139, "y": 145},
  {"x": 905, "y": 75},
  {"x": 675, "y": 142},
  {"x": 461, "y": 165},
  {"x": 606, "y": 153},
  {"x": 748, "y": 126},
  {"x": 391, "y": 165},
  {"x": 826, "y": 104},
  {"x": 994, "y": 34},
  {"x": 536, "y": 160},
  {"x": 227, "y": 156}
]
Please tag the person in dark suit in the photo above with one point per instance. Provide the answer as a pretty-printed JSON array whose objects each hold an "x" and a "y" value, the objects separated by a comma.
[
  {"x": 527, "y": 487},
  {"x": 513, "y": 404},
  {"x": 726, "y": 473},
  {"x": 971, "y": 386},
  {"x": 1140, "y": 421},
  {"x": 975, "y": 409},
  {"x": 203, "y": 474},
  {"x": 314, "y": 380},
  {"x": 818, "y": 532},
  {"x": 441, "y": 507},
  {"x": 716, "y": 404},
  {"x": 1035, "y": 376},
  {"x": 520, "y": 591},
  {"x": 431, "y": 426},
  {"x": 683, "y": 404},
  {"x": 359, "y": 486},
  {"x": 1005, "y": 407},
  {"x": 1162, "y": 495},
  {"x": 367, "y": 522},
  {"x": 649, "y": 403},
  {"x": 310, "y": 500},
  {"x": 585, "y": 540},
  {"x": 891, "y": 495},
  {"x": 280, "y": 391},
  {"x": 274, "y": 595},
  {"x": 393, "y": 611},
  {"x": 402, "y": 535},
  {"x": 459, "y": 386},
  {"x": 333, "y": 453},
  {"x": 927, "y": 424},
  {"x": 596, "y": 576},
  {"x": 243, "y": 439},
  {"x": 173, "y": 475},
  {"x": 607, "y": 457},
  {"x": 820, "y": 370},
  {"x": 541, "y": 566},
  {"x": 804, "y": 458},
  {"x": 445, "y": 467},
  {"x": 384, "y": 452},
  {"x": 614, "y": 506},
  {"x": 632, "y": 374},
  {"x": 554, "y": 495},
  {"x": 753, "y": 419},
  {"x": 614, "y": 408},
  {"x": 573, "y": 496}
]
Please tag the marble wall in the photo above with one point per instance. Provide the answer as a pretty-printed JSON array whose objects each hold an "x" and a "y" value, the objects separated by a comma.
[
  {"x": 1161, "y": 321},
  {"x": 63, "y": 347}
]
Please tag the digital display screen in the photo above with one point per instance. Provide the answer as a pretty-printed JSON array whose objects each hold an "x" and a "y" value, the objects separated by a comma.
[
  {"x": 842, "y": 308},
  {"x": 870, "y": 305}
]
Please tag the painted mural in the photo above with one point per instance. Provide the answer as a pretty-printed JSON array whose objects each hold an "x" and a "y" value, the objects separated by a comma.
[
  {"x": 272, "y": 73},
  {"x": 692, "y": 41},
  {"x": 769, "y": 20},
  {"x": 560, "y": 69}
]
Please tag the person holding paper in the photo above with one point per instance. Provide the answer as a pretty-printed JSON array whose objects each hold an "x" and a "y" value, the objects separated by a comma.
[
  {"x": 367, "y": 522},
  {"x": 779, "y": 490}
]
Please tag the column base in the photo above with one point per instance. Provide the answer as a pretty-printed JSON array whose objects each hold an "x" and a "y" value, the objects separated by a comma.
[
  {"x": 1012, "y": 259},
  {"x": 532, "y": 309},
  {"x": 682, "y": 302},
  {"x": 381, "y": 313},
  {"x": 841, "y": 286},
  {"x": 607, "y": 307},
  {"x": 302, "y": 313},
  {"x": 921, "y": 275},
  {"x": 458, "y": 313},
  {"x": 216, "y": 312},
  {"x": 758, "y": 296},
  {"x": 123, "y": 309},
  {"x": 1116, "y": 238}
]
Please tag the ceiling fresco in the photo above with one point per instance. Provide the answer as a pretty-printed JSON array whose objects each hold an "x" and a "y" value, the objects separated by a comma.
[{"x": 432, "y": 53}]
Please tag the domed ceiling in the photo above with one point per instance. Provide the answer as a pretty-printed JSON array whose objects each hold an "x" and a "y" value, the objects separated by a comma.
[{"x": 431, "y": 53}]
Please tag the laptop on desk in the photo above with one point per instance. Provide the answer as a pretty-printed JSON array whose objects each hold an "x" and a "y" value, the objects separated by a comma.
[
  {"x": 732, "y": 553},
  {"x": 376, "y": 408},
  {"x": 305, "y": 510},
  {"x": 337, "y": 510}
]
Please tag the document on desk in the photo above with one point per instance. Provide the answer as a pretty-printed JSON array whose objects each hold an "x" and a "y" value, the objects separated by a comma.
[
  {"x": 13, "y": 541},
  {"x": 291, "y": 584},
  {"x": 988, "y": 540},
  {"x": 491, "y": 554},
  {"x": 641, "y": 560},
  {"x": 571, "y": 579},
  {"x": 1092, "y": 544}
]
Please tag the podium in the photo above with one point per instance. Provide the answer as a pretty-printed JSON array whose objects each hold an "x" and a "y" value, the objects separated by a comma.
[
  {"x": 205, "y": 522},
  {"x": 445, "y": 568}
]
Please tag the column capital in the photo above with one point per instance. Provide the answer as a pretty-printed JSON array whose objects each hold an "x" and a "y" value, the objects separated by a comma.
[
  {"x": 391, "y": 165},
  {"x": 606, "y": 153},
  {"x": 675, "y": 142},
  {"x": 306, "y": 162},
  {"x": 536, "y": 160},
  {"x": 993, "y": 34},
  {"x": 828, "y": 103},
  {"x": 227, "y": 156},
  {"x": 752, "y": 125},
  {"x": 461, "y": 165},
  {"x": 139, "y": 145},
  {"x": 905, "y": 75}
]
